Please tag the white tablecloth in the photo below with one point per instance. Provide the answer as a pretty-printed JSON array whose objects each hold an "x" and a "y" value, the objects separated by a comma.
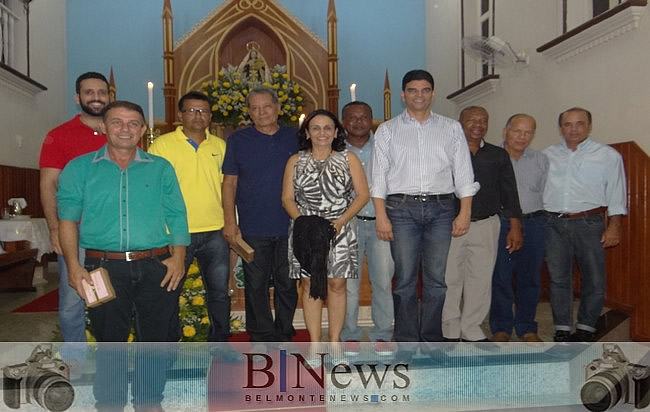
[{"x": 35, "y": 231}]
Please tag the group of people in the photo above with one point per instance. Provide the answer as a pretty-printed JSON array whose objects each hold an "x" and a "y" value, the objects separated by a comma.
[{"x": 468, "y": 215}]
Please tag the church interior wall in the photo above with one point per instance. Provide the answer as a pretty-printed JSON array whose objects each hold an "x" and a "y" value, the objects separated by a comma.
[
  {"x": 372, "y": 35},
  {"x": 610, "y": 80},
  {"x": 26, "y": 119}
]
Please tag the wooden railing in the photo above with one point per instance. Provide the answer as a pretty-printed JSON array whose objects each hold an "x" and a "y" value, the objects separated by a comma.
[{"x": 628, "y": 280}]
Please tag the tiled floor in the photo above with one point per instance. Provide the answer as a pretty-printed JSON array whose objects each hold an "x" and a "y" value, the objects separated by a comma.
[{"x": 29, "y": 327}]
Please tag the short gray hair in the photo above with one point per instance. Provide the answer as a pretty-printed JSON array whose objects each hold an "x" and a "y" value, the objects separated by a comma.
[{"x": 262, "y": 90}]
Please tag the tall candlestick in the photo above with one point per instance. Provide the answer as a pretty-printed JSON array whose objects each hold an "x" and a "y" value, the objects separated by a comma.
[
  {"x": 150, "y": 95},
  {"x": 353, "y": 92},
  {"x": 301, "y": 119}
]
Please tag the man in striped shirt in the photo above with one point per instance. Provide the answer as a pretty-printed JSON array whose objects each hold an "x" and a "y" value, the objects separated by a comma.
[{"x": 421, "y": 161}]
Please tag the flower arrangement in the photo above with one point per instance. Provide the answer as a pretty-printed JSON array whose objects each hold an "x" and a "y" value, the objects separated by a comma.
[{"x": 227, "y": 95}]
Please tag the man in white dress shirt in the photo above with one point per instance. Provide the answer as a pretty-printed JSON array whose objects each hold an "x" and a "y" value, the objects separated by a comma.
[
  {"x": 586, "y": 181},
  {"x": 420, "y": 162}
]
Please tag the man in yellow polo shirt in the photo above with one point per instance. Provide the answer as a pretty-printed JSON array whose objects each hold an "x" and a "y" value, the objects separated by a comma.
[{"x": 197, "y": 157}]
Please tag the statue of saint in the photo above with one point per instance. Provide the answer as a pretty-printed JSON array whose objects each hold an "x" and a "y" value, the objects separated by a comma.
[{"x": 253, "y": 66}]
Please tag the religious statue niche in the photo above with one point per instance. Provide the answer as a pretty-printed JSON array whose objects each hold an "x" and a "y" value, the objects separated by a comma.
[
  {"x": 227, "y": 93},
  {"x": 254, "y": 66}
]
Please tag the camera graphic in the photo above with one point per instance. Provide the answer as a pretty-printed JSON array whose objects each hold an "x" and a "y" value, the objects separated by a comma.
[
  {"x": 613, "y": 379},
  {"x": 41, "y": 379}
]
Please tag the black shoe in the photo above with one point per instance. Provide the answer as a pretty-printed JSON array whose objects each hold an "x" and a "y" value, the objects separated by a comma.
[
  {"x": 451, "y": 339},
  {"x": 476, "y": 341},
  {"x": 581, "y": 335},
  {"x": 562, "y": 336}
]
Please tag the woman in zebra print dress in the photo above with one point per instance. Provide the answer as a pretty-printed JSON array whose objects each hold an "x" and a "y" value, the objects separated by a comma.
[{"x": 326, "y": 180}]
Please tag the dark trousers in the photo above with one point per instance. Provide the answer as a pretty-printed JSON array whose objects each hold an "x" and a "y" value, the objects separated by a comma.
[
  {"x": 139, "y": 297},
  {"x": 524, "y": 266},
  {"x": 271, "y": 261}
]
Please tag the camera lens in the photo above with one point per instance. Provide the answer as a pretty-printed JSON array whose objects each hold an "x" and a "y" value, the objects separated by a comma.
[
  {"x": 603, "y": 391},
  {"x": 53, "y": 392}
]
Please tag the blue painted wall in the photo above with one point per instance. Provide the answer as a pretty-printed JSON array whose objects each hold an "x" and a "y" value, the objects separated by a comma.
[{"x": 127, "y": 34}]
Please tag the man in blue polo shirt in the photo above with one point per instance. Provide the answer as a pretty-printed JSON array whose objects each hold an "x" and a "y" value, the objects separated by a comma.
[{"x": 253, "y": 169}]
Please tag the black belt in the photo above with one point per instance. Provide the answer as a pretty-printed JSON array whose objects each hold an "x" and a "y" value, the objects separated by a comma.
[
  {"x": 597, "y": 211},
  {"x": 476, "y": 219},
  {"x": 366, "y": 218},
  {"x": 533, "y": 214},
  {"x": 421, "y": 198},
  {"x": 128, "y": 256}
]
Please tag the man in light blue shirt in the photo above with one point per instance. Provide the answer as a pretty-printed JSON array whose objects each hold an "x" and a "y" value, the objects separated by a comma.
[
  {"x": 357, "y": 120},
  {"x": 586, "y": 179}
]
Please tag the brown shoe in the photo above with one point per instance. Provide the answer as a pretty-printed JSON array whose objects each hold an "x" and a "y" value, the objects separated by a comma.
[
  {"x": 500, "y": 337},
  {"x": 531, "y": 337}
]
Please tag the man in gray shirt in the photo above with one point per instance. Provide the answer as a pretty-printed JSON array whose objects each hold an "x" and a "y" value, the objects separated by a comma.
[{"x": 531, "y": 168}]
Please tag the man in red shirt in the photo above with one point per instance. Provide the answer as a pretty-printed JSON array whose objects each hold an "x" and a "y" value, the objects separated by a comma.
[{"x": 73, "y": 138}]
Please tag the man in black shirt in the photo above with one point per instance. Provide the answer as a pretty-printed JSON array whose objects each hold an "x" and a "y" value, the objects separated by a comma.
[{"x": 471, "y": 258}]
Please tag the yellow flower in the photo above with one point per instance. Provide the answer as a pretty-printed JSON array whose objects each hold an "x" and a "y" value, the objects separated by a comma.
[
  {"x": 299, "y": 108},
  {"x": 235, "y": 74},
  {"x": 276, "y": 75},
  {"x": 198, "y": 283},
  {"x": 194, "y": 268},
  {"x": 276, "y": 86},
  {"x": 226, "y": 84},
  {"x": 90, "y": 337},
  {"x": 229, "y": 107},
  {"x": 182, "y": 300},
  {"x": 227, "y": 99},
  {"x": 236, "y": 81},
  {"x": 285, "y": 76},
  {"x": 283, "y": 98},
  {"x": 225, "y": 113},
  {"x": 294, "y": 118},
  {"x": 131, "y": 338},
  {"x": 236, "y": 323},
  {"x": 244, "y": 91},
  {"x": 296, "y": 89},
  {"x": 223, "y": 97},
  {"x": 189, "y": 331},
  {"x": 281, "y": 113},
  {"x": 287, "y": 106},
  {"x": 285, "y": 87},
  {"x": 221, "y": 74},
  {"x": 197, "y": 300},
  {"x": 244, "y": 109},
  {"x": 280, "y": 93},
  {"x": 205, "y": 92},
  {"x": 214, "y": 94},
  {"x": 204, "y": 85},
  {"x": 266, "y": 84},
  {"x": 299, "y": 99},
  {"x": 242, "y": 99},
  {"x": 215, "y": 83},
  {"x": 205, "y": 320}
]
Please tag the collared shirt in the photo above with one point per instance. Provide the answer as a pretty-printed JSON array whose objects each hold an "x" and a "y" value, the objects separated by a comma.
[
  {"x": 198, "y": 169},
  {"x": 498, "y": 193},
  {"x": 415, "y": 158},
  {"x": 258, "y": 161},
  {"x": 365, "y": 156},
  {"x": 140, "y": 207},
  {"x": 67, "y": 141},
  {"x": 531, "y": 170},
  {"x": 591, "y": 177}
]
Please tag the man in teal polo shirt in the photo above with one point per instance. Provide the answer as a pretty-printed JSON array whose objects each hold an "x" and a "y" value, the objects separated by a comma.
[{"x": 132, "y": 222}]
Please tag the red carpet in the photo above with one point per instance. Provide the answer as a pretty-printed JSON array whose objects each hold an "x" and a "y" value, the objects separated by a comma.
[
  {"x": 301, "y": 336},
  {"x": 49, "y": 302}
]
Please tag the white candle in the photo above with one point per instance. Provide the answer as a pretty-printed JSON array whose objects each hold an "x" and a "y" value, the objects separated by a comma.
[
  {"x": 150, "y": 95},
  {"x": 353, "y": 92},
  {"x": 301, "y": 119}
]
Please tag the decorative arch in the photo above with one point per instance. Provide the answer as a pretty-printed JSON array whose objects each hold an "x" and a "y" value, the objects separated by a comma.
[{"x": 220, "y": 39}]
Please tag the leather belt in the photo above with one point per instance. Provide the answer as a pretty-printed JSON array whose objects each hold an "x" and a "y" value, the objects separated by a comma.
[
  {"x": 366, "y": 218},
  {"x": 533, "y": 214},
  {"x": 128, "y": 256},
  {"x": 476, "y": 219},
  {"x": 597, "y": 211},
  {"x": 422, "y": 198}
]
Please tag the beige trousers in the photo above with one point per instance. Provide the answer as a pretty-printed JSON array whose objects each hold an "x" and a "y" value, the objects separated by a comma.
[{"x": 470, "y": 264}]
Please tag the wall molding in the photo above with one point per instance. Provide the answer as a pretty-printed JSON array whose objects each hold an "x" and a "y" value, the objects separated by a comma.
[
  {"x": 475, "y": 91},
  {"x": 19, "y": 82}
]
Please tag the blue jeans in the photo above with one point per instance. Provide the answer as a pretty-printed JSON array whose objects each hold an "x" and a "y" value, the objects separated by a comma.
[
  {"x": 380, "y": 274},
  {"x": 564, "y": 239},
  {"x": 421, "y": 233},
  {"x": 72, "y": 313},
  {"x": 524, "y": 265},
  {"x": 271, "y": 262},
  {"x": 138, "y": 294}
]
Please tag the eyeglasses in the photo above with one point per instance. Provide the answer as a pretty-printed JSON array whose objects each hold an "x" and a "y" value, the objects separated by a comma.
[{"x": 192, "y": 110}]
